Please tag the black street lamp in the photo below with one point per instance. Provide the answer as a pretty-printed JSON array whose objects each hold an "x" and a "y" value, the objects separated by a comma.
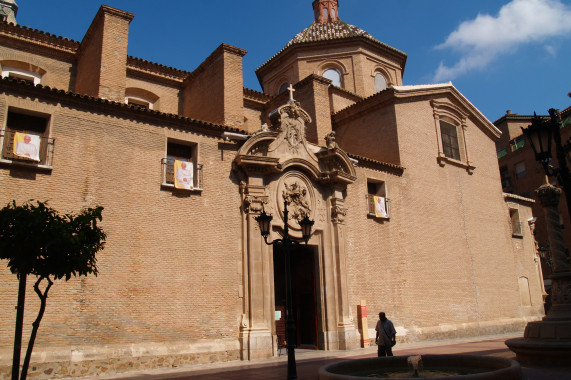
[
  {"x": 286, "y": 242},
  {"x": 540, "y": 134}
]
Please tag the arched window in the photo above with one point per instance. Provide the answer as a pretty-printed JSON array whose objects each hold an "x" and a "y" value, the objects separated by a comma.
[
  {"x": 380, "y": 82},
  {"x": 283, "y": 88},
  {"x": 22, "y": 70},
  {"x": 334, "y": 76},
  {"x": 139, "y": 102},
  {"x": 140, "y": 97},
  {"x": 21, "y": 74}
]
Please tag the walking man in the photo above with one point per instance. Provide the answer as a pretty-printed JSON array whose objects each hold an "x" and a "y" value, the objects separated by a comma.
[{"x": 386, "y": 336}]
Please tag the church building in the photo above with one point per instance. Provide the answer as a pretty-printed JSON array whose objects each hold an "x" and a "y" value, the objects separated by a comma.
[{"x": 401, "y": 181}]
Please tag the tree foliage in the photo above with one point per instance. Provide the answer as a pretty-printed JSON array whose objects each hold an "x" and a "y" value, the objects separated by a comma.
[{"x": 37, "y": 240}]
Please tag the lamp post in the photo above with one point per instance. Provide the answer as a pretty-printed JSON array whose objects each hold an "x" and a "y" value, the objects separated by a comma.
[
  {"x": 540, "y": 134},
  {"x": 286, "y": 243}
]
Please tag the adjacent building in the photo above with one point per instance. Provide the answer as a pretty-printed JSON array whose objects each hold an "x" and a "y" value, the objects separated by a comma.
[
  {"x": 521, "y": 175},
  {"x": 402, "y": 182}
]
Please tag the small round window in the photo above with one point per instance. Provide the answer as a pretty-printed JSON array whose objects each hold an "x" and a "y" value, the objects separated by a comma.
[
  {"x": 334, "y": 76},
  {"x": 380, "y": 82}
]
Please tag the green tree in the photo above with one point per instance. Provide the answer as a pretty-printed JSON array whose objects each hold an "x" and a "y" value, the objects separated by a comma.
[{"x": 37, "y": 240}]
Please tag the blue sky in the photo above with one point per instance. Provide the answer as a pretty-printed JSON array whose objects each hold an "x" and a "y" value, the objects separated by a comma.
[{"x": 508, "y": 54}]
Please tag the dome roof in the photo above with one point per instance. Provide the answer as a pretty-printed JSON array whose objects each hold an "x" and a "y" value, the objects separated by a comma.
[{"x": 328, "y": 31}]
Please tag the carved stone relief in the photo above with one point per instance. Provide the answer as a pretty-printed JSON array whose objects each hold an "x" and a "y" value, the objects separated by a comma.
[
  {"x": 293, "y": 130},
  {"x": 260, "y": 149},
  {"x": 298, "y": 191},
  {"x": 295, "y": 194},
  {"x": 330, "y": 140},
  {"x": 254, "y": 203},
  {"x": 292, "y": 121},
  {"x": 338, "y": 212}
]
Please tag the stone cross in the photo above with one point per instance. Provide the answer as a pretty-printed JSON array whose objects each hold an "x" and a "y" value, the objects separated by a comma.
[{"x": 291, "y": 90}]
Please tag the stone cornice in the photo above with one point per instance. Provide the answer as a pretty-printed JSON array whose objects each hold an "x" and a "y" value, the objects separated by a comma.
[
  {"x": 527, "y": 118},
  {"x": 231, "y": 49},
  {"x": 516, "y": 117},
  {"x": 397, "y": 94},
  {"x": 115, "y": 12},
  {"x": 374, "y": 44},
  {"x": 518, "y": 198},
  {"x": 405, "y": 92},
  {"x": 18, "y": 87}
]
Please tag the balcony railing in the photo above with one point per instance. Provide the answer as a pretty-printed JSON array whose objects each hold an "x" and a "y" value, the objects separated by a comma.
[
  {"x": 371, "y": 206},
  {"x": 46, "y": 150},
  {"x": 167, "y": 165}
]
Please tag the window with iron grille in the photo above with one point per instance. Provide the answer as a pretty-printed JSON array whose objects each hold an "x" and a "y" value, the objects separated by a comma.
[
  {"x": 377, "y": 201},
  {"x": 449, "y": 140},
  {"x": 180, "y": 167},
  {"x": 26, "y": 138}
]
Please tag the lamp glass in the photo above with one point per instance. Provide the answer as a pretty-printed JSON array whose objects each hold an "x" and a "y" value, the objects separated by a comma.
[
  {"x": 264, "y": 221},
  {"x": 306, "y": 224},
  {"x": 539, "y": 133}
]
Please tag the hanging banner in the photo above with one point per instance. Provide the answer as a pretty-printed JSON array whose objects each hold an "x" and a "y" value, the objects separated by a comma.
[
  {"x": 184, "y": 175},
  {"x": 380, "y": 207},
  {"x": 27, "y": 145}
]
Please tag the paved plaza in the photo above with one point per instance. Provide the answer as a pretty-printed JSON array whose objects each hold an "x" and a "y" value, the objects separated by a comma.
[{"x": 309, "y": 361}]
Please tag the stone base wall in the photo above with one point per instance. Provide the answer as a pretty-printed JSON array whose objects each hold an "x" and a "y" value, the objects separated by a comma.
[
  {"x": 460, "y": 330},
  {"x": 108, "y": 360},
  {"x": 57, "y": 363}
]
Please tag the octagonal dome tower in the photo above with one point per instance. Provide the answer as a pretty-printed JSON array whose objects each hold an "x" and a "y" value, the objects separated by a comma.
[{"x": 347, "y": 55}]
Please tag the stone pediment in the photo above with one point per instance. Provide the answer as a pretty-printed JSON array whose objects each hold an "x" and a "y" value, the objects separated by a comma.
[{"x": 283, "y": 145}]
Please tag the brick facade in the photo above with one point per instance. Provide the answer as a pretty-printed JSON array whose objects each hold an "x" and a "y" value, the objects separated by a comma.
[{"x": 185, "y": 276}]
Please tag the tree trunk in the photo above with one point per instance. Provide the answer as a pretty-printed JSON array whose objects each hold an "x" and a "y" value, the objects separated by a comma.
[
  {"x": 19, "y": 325},
  {"x": 36, "y": 324}
]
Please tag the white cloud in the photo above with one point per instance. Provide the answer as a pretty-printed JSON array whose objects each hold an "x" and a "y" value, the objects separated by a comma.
[
  {"x": 551, "y": 50},
  {"x": 486, "y": 37}
]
